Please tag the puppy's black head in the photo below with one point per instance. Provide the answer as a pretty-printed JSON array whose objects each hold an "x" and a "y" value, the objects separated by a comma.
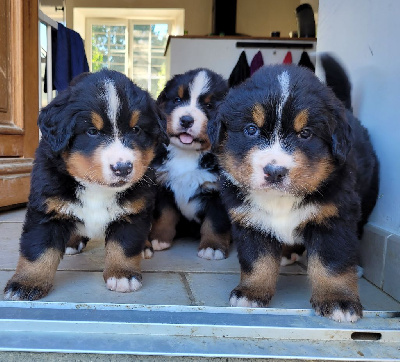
[
  {"x": 105, "y": 127},
  {"x": 190, "y": 101},
  {"x": 283, "y": 130}
]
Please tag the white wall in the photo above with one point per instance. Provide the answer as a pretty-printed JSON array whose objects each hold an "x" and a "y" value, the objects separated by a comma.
[
  {"x": 221, "y": 55},
  {"x": 364, "y": 34}
]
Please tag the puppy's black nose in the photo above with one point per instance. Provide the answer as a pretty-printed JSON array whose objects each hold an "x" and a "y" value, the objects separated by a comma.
[
  {"x": 274, "y": 173},
  {"x": 122, "y": 169},
  {"x": 186, "y": 121}
]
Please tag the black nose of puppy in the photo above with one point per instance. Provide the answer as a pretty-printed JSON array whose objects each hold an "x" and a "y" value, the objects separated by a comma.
[
  {"x": 274, "y": 173},
  {"x": 186, "y": 121},
  {"x": 121, "y": 169}
]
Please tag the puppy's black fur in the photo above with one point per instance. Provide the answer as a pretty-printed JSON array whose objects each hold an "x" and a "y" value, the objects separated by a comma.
[
  {"x": 91, "y": 179},
  {"x": 188, "y": 171},
  {"x": 298, "y": 168}
]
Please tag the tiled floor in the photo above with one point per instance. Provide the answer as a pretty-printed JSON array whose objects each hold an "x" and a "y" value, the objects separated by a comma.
[{"x": 172, "y": 277}]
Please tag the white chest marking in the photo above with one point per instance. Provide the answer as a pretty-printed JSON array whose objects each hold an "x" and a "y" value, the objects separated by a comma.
[
  {"x": 97, "y": 210},
  {"x": 276, "y": 213},
  {"x": 181, "y": 174}
]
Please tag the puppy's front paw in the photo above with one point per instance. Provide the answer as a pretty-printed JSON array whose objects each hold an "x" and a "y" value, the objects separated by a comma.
[
  {"x": 148, "y": 250},
  {"x": 75, "y": 245},
  {"x": 75, "y": 250},
  {"x": 160, "y": 245},
  {"x": 243, "y": 297},
  {"x": 338, "y": 310},
  {"x": 123, "y": 285},
  {"x": 16, "y": 290},
  {"x": 211, "y": 254}
]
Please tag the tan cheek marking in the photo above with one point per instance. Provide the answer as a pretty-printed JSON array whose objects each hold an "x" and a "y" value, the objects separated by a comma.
[
  {"x": 208, "y": 99},
  {"x": 258, "y": 115},
  {"x": 327, "y": 286},
  {"x": 210, "y": 239},
  {"x": 261, "y": 281},
  {"x": 86, "y": 168},
  {"x": 97, "y": 121},
  {"x": 118, "y": 265},
  {"x": 163, "y": 229},
  {"x": 301, "y": 120},
  {"x": 142, "y": 160},
  {"x": 134, "y": 119},
  {"x": 180, "y": 91},
  {"x": 241, "y": 171},
  {"x": 307, "y": 176}
]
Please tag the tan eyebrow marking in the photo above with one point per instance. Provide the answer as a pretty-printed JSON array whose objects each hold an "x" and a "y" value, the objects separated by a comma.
[
  {"x": 301, "y": 120},
  {"x": 134, "y": 118},
  {"x": 180, "y": 91},
  {"x": 258, "y": 115},
  {"x": 97, "y": 121},
  {"x": 208, "y": 98}
]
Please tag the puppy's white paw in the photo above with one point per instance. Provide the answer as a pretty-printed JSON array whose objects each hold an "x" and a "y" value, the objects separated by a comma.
[
  {"x": 73, "y": 251},
  {"x": 339, "y": 315},
  {"x": 160, "y": 245},
  {"x": 147, "y": 253},
  {"x": 242, "y": 302},
  {"x": 123, "y": 285},
  {"x": 211, "y": 254}
]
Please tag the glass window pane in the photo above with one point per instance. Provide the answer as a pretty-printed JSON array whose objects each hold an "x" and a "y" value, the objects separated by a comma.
[
  {"x": 108, "y": 47},
  {"x": 148, "y": 61}
]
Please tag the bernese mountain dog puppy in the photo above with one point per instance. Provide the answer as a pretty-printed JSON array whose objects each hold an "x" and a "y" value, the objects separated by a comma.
[
  {"x": 188, "y": 171},
  {"x": 298, "y": 168},
  {"x": 92, "y": 179}
]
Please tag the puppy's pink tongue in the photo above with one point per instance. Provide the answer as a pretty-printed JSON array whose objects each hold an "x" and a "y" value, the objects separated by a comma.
[{"x": 185, "y": 138}]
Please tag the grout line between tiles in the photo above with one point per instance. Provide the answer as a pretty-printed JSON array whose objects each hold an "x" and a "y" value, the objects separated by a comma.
[{"x": 186, "y": 284}]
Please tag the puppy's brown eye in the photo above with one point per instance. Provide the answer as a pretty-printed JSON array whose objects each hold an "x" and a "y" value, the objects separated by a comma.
[
  {"x": 177, "y": 100},
  {"x": 304, "y": 133},
  {"x": 136, "y": 130},
  {"x": 251, "y": 130},
  {"x": 92, "y": 132}
]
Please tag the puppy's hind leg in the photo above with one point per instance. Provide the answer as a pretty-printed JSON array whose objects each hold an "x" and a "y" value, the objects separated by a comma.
[
  {"x": 215, "y": 231},
  {"x": 76, "y": 244},
  {"x": 166, "y": 217}
]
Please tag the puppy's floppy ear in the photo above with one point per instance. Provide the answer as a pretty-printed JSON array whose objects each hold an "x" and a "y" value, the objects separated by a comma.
[
  {"x": 341, "y": 137},
  {"x": 162, "y": 123},
  {"x": 216, "y": 130},
  {"x": 55, "y": 124},
  {"x": 162, "y": 97}
]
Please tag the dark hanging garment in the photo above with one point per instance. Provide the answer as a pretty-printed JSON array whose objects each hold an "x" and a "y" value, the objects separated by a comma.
[
  {"x": 70, "y": 59},
  {"x": 256, "y": 63},
  {"x": 305, "y": 61},
  {"x": 240, "y": 72}
]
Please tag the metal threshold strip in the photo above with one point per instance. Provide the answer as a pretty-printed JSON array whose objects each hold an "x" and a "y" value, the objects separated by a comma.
[{"x": 196, "y": 331}]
